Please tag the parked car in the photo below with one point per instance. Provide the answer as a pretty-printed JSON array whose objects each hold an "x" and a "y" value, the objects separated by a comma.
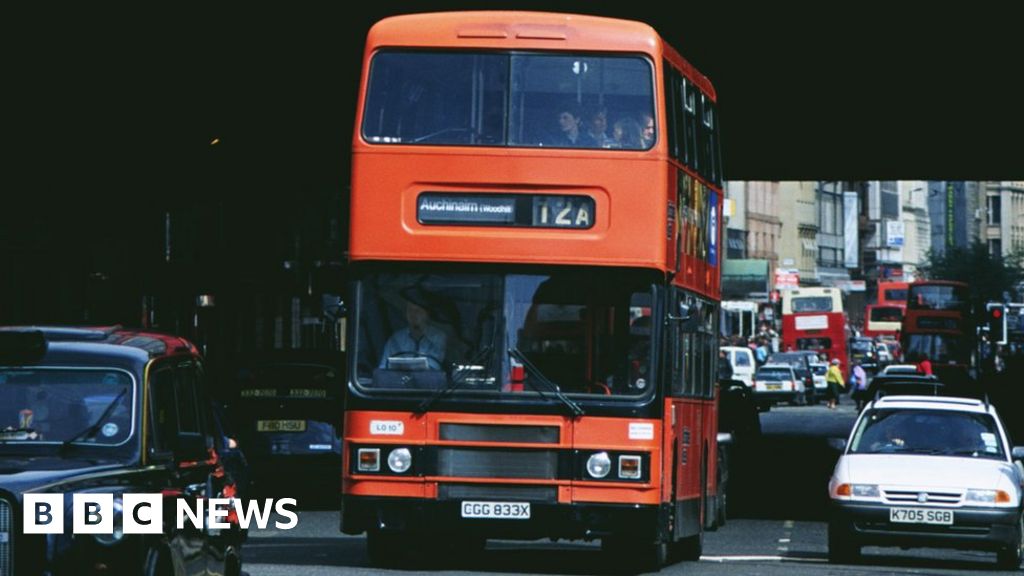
[
  {"x": 742, "y": 360},
  {"x": 864, "y": 350},
  {"x": 110, "y": 411},
  {"x": 886, "y": 353},
  {"x": 801, "y": 361},
  {"x": 775, "y": 383},
  {"x": 922, "y": 471},
  {"x": 900, "y": 369},
  {"x": 904, "y": 384},
  {"x": 288, "y": 418},
  {"x": 819, "y": 373}
]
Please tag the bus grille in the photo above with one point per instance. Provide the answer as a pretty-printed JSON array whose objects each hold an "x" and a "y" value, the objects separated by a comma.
[
  {"x": 471, "y": 463},
  {"x": 499, "y": 433},
  {"x": 492, "y": 492},
  {"x": 6, "y": 539}
]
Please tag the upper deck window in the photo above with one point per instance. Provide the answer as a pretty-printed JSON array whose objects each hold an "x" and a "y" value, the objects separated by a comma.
[
  {"x": 812, "y": 304},
  {"x": 938, "y": 297},
  {"x": 522, "y": 100}
]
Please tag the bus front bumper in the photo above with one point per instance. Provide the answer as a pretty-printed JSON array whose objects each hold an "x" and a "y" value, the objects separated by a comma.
[{"x": 585, "y": 521}]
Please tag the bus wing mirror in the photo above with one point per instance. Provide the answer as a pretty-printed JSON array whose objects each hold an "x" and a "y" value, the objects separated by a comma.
[{"x": 688, "y": 317}]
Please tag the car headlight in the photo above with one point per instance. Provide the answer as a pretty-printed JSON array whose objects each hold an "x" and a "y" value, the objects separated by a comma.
[
  {"x": 858, "y": 490},
  {"x": 865, "y": 491},
  {"x": 399, "y": 460},
  {"x": 599, "y": 465},
  {"x": 118, "y": 534},
  {"x": 987, "y": 497}
]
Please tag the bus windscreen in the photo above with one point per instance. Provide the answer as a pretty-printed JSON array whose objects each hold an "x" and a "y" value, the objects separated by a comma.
[{"x": 521, "y": 100}]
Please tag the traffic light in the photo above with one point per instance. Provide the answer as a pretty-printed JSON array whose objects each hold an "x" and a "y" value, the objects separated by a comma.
[{"x": 996, "y": 322}]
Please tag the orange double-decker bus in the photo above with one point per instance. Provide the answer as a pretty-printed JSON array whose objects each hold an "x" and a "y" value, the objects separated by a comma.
[
  {"x": 892, "y": 294},
  {"x": 532, "y": 331}
]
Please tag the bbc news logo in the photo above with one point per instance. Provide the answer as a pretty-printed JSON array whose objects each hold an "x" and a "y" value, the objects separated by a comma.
[{"x": 144, "y": 513}]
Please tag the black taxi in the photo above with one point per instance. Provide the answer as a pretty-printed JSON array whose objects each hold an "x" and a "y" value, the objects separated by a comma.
[{"x": 87, "y": 411}]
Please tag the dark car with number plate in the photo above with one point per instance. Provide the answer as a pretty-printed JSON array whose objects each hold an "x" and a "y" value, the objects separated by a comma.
[
  {"x": 90, "y": 411},
  {"x": 287, "y": 416},
  {"x": 927, "y": 471}
]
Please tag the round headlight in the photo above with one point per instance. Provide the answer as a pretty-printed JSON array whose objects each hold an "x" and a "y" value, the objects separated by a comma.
[
  {"x": 399, "y": 460},
  {"x": 599, "y": 465},
  {"x": 118, "y": 534}
]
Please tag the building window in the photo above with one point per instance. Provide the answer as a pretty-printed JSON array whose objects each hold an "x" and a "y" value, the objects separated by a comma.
[
  {"x": 995, "y": 211},
  {"x": 890, "y": 199},
  {"x": 830, "y": 208},
  {"x": 995, "y": 247},
  {"x": 830, "y": 257}
]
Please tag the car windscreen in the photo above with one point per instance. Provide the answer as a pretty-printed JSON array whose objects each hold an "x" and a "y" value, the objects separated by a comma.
[
  {"x": 774, "y": 374},
  {"x": 863, "y": 346},
  {"x": 54, "y": 405},
  {"x": 929, "y": 432}
]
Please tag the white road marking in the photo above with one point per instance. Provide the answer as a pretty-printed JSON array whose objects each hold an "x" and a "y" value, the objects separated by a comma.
[{"x": 761, "y": 559}]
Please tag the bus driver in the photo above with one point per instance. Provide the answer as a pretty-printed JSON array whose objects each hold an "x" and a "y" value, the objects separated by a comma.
[{"x": 419, "y": 338}]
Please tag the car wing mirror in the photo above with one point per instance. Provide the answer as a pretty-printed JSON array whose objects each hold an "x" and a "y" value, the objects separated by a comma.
[
  {"x": 837, "y": 444},
  {"x": 1017, "y": 453},
  {"x": 160, "y": 456}
]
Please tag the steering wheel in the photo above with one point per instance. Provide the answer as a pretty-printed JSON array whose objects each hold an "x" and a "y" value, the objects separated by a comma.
[{"x": 415, "y": 354}]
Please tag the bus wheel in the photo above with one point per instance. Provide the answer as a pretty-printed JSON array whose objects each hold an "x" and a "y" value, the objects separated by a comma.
[
  {"x": 689, "y": 548},
  {"x": 630, "y": 556},
  {"x": 388, "y": 549}
]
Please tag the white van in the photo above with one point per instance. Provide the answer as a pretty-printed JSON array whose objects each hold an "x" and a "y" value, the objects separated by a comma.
[{"x": 742, "y": 360}]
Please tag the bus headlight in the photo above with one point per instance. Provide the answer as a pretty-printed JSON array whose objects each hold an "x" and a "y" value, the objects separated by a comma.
[
  {"x": 399, "y": 460},
  {"x": 368, "y": 459},
  {"x": 599, "y": 465},
  {"x": 630, "y": 467}
]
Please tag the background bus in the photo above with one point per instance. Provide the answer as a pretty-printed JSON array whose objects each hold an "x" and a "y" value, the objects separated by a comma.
[
  {"x": 813, "y": 319},
  {"x": 739, "y": 319},
  {"x": 892, "y": 294},
  {"x": 883, "y": 320},
  {"x": 532, "y": 353},
  {"x": 937, "y": 324}
]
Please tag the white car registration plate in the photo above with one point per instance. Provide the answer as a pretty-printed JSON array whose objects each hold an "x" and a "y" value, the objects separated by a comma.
[
  {"x": 498, "y": 510},
  {"x": 921, "y": 516}
]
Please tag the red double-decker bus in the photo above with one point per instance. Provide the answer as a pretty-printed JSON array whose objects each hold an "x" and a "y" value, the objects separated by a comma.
[
  {"x": 534, "y": 311},
  {"x": 883, "y": 320},
  {"x": 813, "y": 319},
  {"x": 937, "y": 325}
]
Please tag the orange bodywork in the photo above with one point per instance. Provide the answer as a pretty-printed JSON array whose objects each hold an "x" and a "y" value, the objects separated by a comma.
[{"x": 638, "y": 223}]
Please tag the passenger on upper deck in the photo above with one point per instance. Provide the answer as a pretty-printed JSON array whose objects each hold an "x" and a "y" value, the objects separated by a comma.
[
  {"x": 627, "y": 134},
  {"x": 569, "y": 134},
  {"x": 597, "y": 126},
  {"x": 647, "y": 129}
]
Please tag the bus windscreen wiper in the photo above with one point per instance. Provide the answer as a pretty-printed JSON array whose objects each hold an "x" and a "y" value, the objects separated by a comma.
[
  {"x": 551, "y": 386},
  {"x": 460, "y": 374}
]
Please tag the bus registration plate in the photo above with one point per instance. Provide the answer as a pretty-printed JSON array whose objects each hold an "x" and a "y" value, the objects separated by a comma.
[
  {"x": 921, "y": 516},
  {"x": 497, "y": 510}
]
